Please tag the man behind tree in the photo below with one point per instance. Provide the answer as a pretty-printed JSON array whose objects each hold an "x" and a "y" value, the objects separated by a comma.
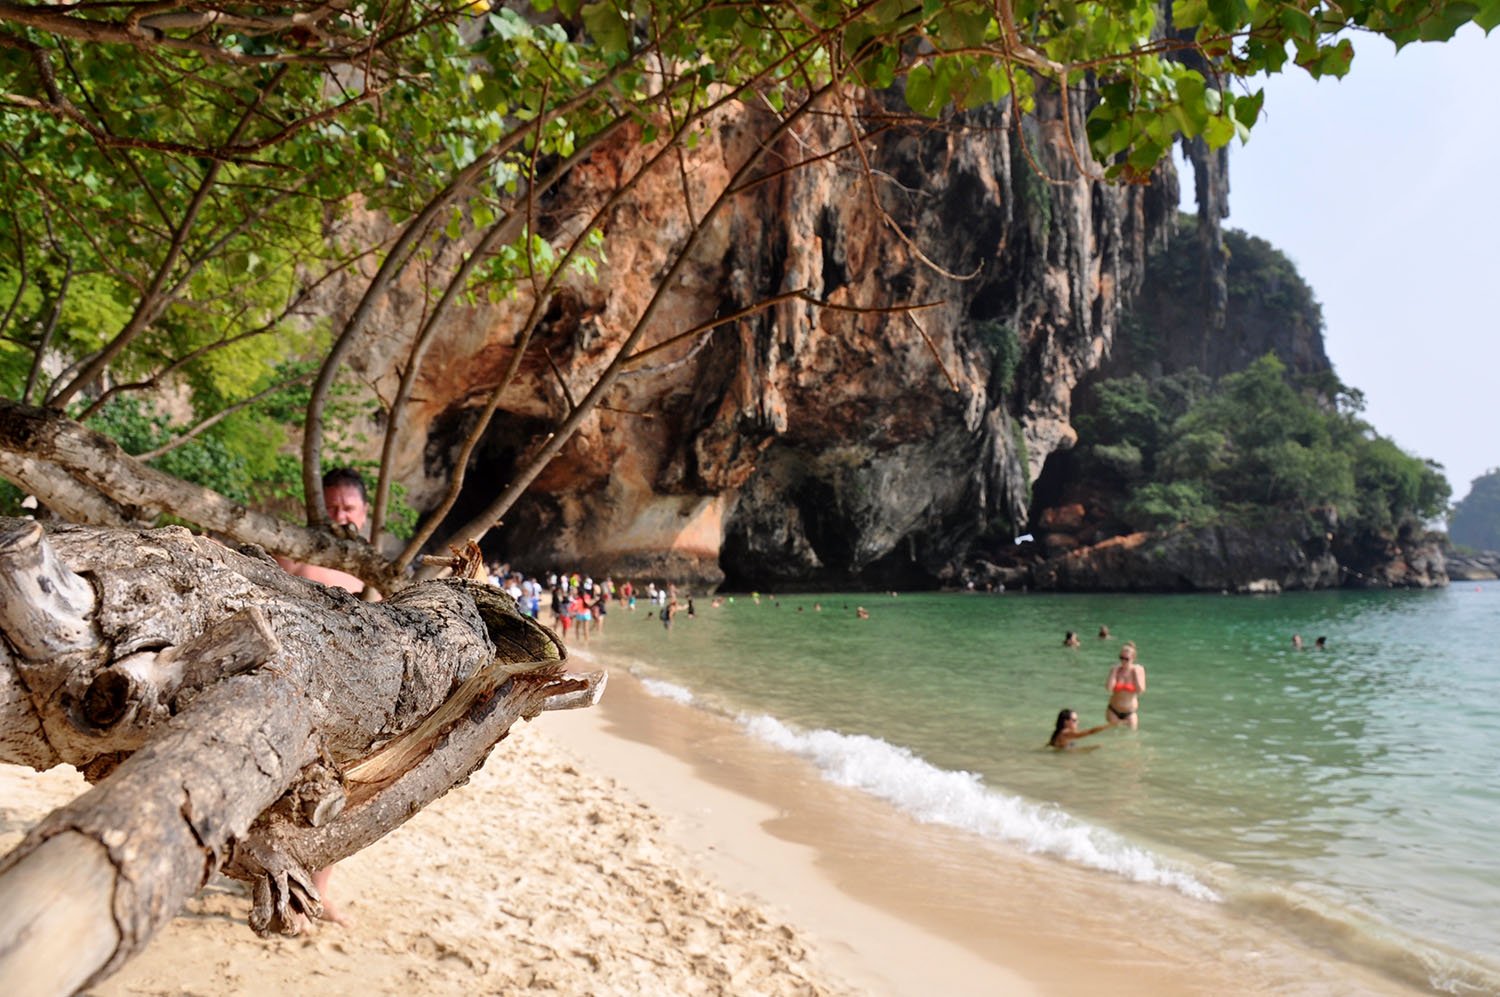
[{"x": 348, "y": 505}]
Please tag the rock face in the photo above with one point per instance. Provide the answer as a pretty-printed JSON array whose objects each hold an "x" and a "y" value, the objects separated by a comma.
[
  {"x": 1289, "y": 554},
  {"x": 1473, "y": 566},
  {"x": 836, "y": 439},
  {"x": 1285, "y": 552},
  {"x": 802, "y": 445},
  {"x": 1268, "y": 308}
]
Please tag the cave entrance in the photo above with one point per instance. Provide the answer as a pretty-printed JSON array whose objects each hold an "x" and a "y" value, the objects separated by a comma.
[
  {"x": 492, "y": 466},
  {"x": 1051, "y": 486}
]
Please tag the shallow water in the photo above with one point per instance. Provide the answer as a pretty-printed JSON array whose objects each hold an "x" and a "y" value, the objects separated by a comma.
[{"x": 1348, "y": 793}]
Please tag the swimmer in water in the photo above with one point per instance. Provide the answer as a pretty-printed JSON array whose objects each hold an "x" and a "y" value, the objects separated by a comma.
[
  {"x": 1070, "y": 639},
  {"x": 1127, "y": 680},
  {"x": 1067, "y": 730}
]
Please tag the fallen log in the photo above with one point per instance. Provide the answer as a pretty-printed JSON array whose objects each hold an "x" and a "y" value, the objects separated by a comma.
[{"x": 231, "y": 717}]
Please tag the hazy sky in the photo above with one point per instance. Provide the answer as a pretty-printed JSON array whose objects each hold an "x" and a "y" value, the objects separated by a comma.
[{"x": 1384, "y": 189}]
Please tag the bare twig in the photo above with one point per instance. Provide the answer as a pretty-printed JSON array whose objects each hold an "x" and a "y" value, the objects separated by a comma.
[
  {"x": 221, "y": 415},
  {"x": 152, "y": 302}
]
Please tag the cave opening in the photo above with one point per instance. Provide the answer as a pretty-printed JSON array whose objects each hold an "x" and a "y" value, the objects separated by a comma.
[
  {"x": 492, "y": 466},
  {"x": 1051, "y": 486}
]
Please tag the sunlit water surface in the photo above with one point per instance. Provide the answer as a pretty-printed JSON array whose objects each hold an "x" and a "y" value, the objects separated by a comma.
[{"x": 1349, "y": 790}]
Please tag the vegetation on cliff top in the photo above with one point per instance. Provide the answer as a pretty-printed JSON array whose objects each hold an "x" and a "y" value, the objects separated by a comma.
[
  {"x": 1190, "y": 452},
  {"x": 1475, "y": 520}
]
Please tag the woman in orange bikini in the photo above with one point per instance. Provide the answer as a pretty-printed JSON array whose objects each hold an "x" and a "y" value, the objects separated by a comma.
[{"x": 1127, "y": 680}]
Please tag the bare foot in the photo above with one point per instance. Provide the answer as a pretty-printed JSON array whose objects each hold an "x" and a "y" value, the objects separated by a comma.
[
  {"x": 322, "y": 882},
  {"x": 337, "y": 915}
]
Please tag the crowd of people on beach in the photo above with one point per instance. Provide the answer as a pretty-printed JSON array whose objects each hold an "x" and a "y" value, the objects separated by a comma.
[{"x": 579, "y": 604}]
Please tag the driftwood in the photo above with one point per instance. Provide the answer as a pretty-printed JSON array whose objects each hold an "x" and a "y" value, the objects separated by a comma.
[{"x": 233, "y": 718}]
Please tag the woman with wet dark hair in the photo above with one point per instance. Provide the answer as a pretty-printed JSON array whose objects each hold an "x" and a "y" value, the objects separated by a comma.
[{"x": 1067, "y": 730}]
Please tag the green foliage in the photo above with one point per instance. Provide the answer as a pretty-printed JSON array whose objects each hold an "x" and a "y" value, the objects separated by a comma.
[
  {"x": 169, "y": 201},
  {"x": 10, "y": 499},
  {"x": 1156, "y": 505},
  {"x": 1005, "y": 349},
  {"x": 1475, "y": 520},
  {"x": 221, "y": 458},
  {"x": 1124, "y": 460},
  {"x": 1139, "y": 412},
  {"x": 1260, "y": 272},
  {"x": 1023, "y": 454},
  {"x": 1256, "y": 441},
  {"x": 241, "y": 457},
  {"x": 1036, "y": 194}
]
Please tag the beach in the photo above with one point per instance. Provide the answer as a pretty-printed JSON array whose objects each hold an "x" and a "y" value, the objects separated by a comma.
[{"x": 644, "y": 847}]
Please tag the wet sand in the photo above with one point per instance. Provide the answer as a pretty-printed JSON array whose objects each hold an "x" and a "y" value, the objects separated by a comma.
[
  {"x": 901, "y": 907},
  {"x": 644, "y": 847}
]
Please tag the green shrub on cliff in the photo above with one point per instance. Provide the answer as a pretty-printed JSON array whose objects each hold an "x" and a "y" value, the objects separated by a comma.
[
  {"x": 1475, "y": 521},
  {"x": 1255, "y": 441}
]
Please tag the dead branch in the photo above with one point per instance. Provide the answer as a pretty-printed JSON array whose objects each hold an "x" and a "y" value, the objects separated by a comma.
[
  {"x": 235, "y": 716},
  {"x": 85, "y": 475}
]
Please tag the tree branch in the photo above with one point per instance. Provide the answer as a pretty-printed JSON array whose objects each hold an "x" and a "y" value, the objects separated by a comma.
[{"x": 87, "y": 468}]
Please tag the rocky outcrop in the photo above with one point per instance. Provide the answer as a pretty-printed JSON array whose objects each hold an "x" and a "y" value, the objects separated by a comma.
[
  {"x": 1268, "y": 308},
  {"x": 857, "y": 445},
  {"x": 1413, "y": 558},
  {"x": 1291, "y": 552},
  {"x": 805, "y": 445},
  {"x": 1283, "y": 552},
  {"x": 1472, "y": 566}
]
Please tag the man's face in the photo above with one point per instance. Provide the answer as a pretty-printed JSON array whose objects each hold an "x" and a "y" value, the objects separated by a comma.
[{"x": 345, "y": 506}]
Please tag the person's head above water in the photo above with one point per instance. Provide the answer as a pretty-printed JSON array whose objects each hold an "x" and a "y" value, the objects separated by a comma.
[{"x": 1064, "y": 718}]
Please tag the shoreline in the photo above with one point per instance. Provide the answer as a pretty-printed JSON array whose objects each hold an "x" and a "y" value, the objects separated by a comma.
[
  {"x": 830, "y": 858},
  {"x": 645, "y": 846}
]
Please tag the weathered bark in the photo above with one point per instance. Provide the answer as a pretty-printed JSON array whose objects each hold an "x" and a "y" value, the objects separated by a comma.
[
  {"x": 85, "y": 476},
  {"x": 236, "y": 717}
]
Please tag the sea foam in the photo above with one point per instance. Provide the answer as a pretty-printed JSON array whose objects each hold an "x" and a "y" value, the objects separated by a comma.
[
  {"x": 668, "y": 690},
  {"x": 960, "y": 799}
]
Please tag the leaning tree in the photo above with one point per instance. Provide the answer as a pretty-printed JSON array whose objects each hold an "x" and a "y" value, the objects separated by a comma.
[{"x": 206, "y": 207}]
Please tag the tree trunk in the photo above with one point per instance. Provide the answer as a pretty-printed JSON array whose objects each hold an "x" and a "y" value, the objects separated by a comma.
[
  {"x": 232, "y": 716},
  {"x": 86, "y": 477}
]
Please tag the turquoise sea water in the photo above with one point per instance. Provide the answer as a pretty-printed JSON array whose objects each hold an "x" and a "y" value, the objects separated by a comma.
[{"x": 1352, "y": 794}]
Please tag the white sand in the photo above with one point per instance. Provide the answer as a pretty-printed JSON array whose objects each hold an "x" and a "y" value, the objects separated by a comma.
[
  {"x": 643, "y": 847},
  {"x": 535, "y": 876}
]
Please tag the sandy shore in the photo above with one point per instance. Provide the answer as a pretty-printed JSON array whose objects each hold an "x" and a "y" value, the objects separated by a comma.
[
  {"x": 537, "y": 875},
  {"x": 643, "y": 847}
]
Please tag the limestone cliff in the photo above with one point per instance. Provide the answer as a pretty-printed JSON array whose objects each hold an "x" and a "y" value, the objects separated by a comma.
[
  {"x": 1264, "y": 306},
  {"x": 804, "y": 445},
  {"x": 861, "y": 445}
]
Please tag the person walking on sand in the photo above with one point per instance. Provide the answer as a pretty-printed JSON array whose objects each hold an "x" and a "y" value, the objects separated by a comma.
[
  {"x": 1127, "y": 680},
  {"x": 1066, "y": 731}
]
